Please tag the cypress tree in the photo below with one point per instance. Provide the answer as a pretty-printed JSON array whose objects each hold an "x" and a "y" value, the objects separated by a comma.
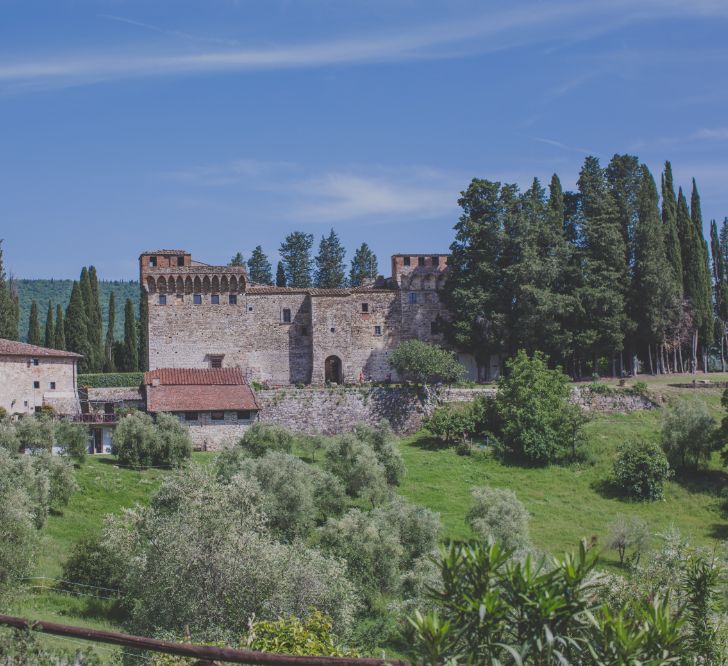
[
  {"x": 330, "y": 272},
  {"x": 363, "y": 266},
  {"x": 704, "y": 301},
  {"x": 143, "y": 331},
  {"x": 76, "y": 325},
  {"x": 280, "y": 275},
  {"x": 109, "y": 363},
  {"x": 59, "y": 338},
  {"x": 34, "y": 325},
  {"x": 669, "y": 222},
  {"x": 131, "y": 345},
  {"x": 237, "y": 260},
  {"x": 259, "y": 268},
  {"x": 296, "y": 254},
  {"x": 50, "y": 333},
  {"x": 720, "y": 288},
  {"x": 8, "y": 305},
  {"x": 93, "y": 312}
]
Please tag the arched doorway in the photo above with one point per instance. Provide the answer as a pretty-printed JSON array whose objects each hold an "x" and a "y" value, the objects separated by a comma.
[{"x": 332, "y": 370}]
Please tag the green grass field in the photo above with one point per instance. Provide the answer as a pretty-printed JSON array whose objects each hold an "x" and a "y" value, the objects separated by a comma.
[{"x": 565, "y": 503}]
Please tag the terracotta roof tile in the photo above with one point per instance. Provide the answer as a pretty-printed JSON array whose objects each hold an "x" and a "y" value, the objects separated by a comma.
[
  {"x": 196, "y": 376},
  {"x": 14, "y": 348},
  {"x": 191, "y": 398}
]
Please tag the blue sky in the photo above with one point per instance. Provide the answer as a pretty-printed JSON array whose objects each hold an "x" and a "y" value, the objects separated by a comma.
[{"x": 218, "y": 125}]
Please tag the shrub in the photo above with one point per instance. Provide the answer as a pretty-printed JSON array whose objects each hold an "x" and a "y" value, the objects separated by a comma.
[
  {"x": 383, "y": 443},
  {"x": 92, "y": 563},
  {"x": 627, "y": 535},
  {"x": 261, "y": 438},
  {"x": 8, "y": 437},
  {"x": 358, "y": 467},
  {"x": 496, "y": 515},
  {"x": 61, "y": 482},
  {"x": 312, "y": 444},
  {"x": 450, "y": 424},
  {"x": 688, "y": 434},
  {"x": 35, "y": 432},
  {"x": 73, "y": 440},
  {"x": 422, "y": 363},
  {"x": 139, "y": 442},
  {"x": 538, "y": 422},
  {"x": 418, "y": 528},
  {"x": 111, "y": 379},
  {"x": 18, "y": 538},
  {"x": 640, "y": 470}
]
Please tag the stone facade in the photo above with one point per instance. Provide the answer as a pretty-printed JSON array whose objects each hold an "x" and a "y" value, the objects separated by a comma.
[
  {"x": 203, "y": 316},
  {"x": 33, "y": 377},
  {"x": 212, "y": 435}
]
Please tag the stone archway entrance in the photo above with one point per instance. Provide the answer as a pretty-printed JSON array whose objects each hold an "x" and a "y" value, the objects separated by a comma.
[{"x": 332, "y": 370}]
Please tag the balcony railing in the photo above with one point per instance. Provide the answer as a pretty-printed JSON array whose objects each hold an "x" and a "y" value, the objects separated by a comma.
[{"x": 94, "y": 418}]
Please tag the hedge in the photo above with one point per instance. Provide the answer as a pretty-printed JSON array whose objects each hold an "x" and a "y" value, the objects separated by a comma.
[{"x": 106, "y": 380}]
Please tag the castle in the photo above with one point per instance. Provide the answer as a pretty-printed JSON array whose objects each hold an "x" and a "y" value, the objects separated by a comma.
[{"x": 202, "y": 316}]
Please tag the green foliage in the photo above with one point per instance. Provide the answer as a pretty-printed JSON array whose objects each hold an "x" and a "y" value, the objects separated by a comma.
[
  {"x": 280, "y": 275},
  {"x": 641, "y": 469},
  {"x": 688, "y": 434},
  {"x": 450, "y": 423},
  {"x": 22, "y": 648},
  {"x": 92, "y": 563},
  {"x": 423, "y": 363},
  {"x": 330, "y": 272},
  {"x": 140, "y": 442},
  {"x": 130, "y": 354},
  {"x": 109, "y": 361},
  {"x": 35, "y": 432},
  {"x": 358, "y": 467},
  {"x": 49, "y": 338},
  {"x": 538, "y": 423},
  {"x": 363, "y": 266},
  {"x": 73, "y": 440},
  {"x": 260, "y": 438},
  {"x": 628, "y": 535},
  {"x": 111, "y": 379},
  {"x": 76, "y": 325},
  {"x": 237, "y": 260},
  {"x": 9, "y": 306},
  {"x": 384, "y": 444},
  {"x": 33, "y": 326},
  {"x": 259, "y": 268},
  {"x": 496, "y": 515},
  {"x": 295, "y": 252}
]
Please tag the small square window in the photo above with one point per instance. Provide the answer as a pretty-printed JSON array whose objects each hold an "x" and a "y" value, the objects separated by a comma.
[
  {"x": 52, "y": 386},
  {"x": 38, "y": 409},
  {"x": 216, "y": 361},
  {"x": 245, "y": 415},
  {"x": 233, "y": 299},
  {"x": 163, "y": 299},
  {"x": 217, "y": 416},
  {"x": 215, "y": 299},
  {"x": 36, "y": 361},
  {"x": 190, "y": 416},
  {"x": 333, "y": 330},
  {"x": 412, "y": 298},
  {"x": 377, "y": 330},
  {"x": 406, "y": 261},
  {"x": 304, "y": 331},
  {"x": 365, "y": 307},
  {"x": 197, "y": 299},
  {"x": 420, "y": 261},
  {"x": 180, "y": 261},
  {"x": 152, "y": 261},
  {"x": 36, "y": 385},
  {"x": 250, "y": 308},
  {"x": 286, "y": 316}
]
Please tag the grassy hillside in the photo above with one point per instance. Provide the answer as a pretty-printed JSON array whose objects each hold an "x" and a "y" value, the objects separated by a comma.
[{"x": 59, "y": 291}]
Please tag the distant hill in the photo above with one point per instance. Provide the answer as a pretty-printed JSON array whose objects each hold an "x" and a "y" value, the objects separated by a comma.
[{"x": 59, "y": 291}]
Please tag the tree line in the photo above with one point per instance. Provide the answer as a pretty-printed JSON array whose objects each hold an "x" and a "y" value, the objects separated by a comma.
[
  {"x": 610, "y": 279},
  {"x": 297, "y": 268}
]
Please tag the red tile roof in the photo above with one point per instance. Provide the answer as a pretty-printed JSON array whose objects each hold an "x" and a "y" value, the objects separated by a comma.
[
  {"x": 14, "y": 348},
  {"x": 198, "y": 390}
]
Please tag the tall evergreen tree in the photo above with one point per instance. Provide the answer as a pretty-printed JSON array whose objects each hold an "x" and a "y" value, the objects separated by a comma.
[
  {"x": 131, "y": 345},
  {"x": 602, "y": 295},
  {"x": 8, "y": 305},
  {"x": 720, "y": 289},
  {"x": 259, "y": 268},
  {"x": 669, "y": 221},
  {"x": 91, "y": 357},
  {"x": 237, "y": 260},
  {"x": 363, "y": 266},
  {"x": 330, "y": 272},
  {"x": 34, "y": 325},
  {"x": 59, "y": 338},
  {"x": 50, "y": 331},
  {"x": 296, "y": 254},
  {"x": 95, "y": 326},
  {"x": 704, "y": 303},
  {"x": 280, "y": 275},
  {"x": 76, "y": 325},
  {"x": 109, "y": 361},
  {"x": 143, "y": 331}
]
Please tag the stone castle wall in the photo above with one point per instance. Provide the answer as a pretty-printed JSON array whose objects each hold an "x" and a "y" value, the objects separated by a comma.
[{"x": 18, "y": 394}]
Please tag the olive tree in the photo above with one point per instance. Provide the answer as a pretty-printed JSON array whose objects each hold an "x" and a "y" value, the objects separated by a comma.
[
  {"x": 497, "y": 515},
  {"x": 72, "y": 438},
  {"x": 35, "y": 432},
  {"x": 640, "y": 470},
  {"x": 357, "y": 465},
  {"x": 688, "y": 434},
  {"x": 422, "y": 363},
  {"x": 384, "y": 444},
  {"x": 263, "y": 437},
  {"x": 140, "y": 442}
]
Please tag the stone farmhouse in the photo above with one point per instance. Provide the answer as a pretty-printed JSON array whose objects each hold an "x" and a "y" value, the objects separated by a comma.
[
  {"x": 33, "y": 377},
  {"x": 202, "y": 316}
]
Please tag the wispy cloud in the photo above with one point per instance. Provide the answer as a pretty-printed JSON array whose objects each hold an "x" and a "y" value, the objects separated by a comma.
[
  {"x": 528, "y": 23},
  {"x": 228, "y": 173},
  {"x": 164, "y": 31},
  {"x": 563, "y": 146},
  {"x": 712, "y": 134}
]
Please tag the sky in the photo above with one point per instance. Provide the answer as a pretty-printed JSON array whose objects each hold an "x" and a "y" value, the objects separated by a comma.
[{"x": 217, "y": 125}]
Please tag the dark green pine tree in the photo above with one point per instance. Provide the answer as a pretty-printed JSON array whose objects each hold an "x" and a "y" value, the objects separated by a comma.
[
  {"x": 87, "y": 296},
  {"x": 669, "y": 221},
  {"x": 652, "y": 282},
  {"x": 280, "y": 275},
  {"x": 295, "y": 252},
  {"x": 59, "y": 338},
  {"x": 237, "y": 260},
  {"x": 143, "y": 331},
  {"x": 95, "y": 326},
  {"x": 34, "y": 326},
  {"x": 602, "y": 295},
  {"x": 704, "y": 302},
  {"x": 50, "y": 331},
  {"x": 76, "y": 326},
  {"x": 720, "y": 289},
  {"x": 109, "y": 361},
  {"x": 259, "y": 268},
  {"x": 330, "y": 272},
  {"x": 9, "y": 310},
  {"x": 131, "y": 344},
  {"x": 363, "y": 266}
]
